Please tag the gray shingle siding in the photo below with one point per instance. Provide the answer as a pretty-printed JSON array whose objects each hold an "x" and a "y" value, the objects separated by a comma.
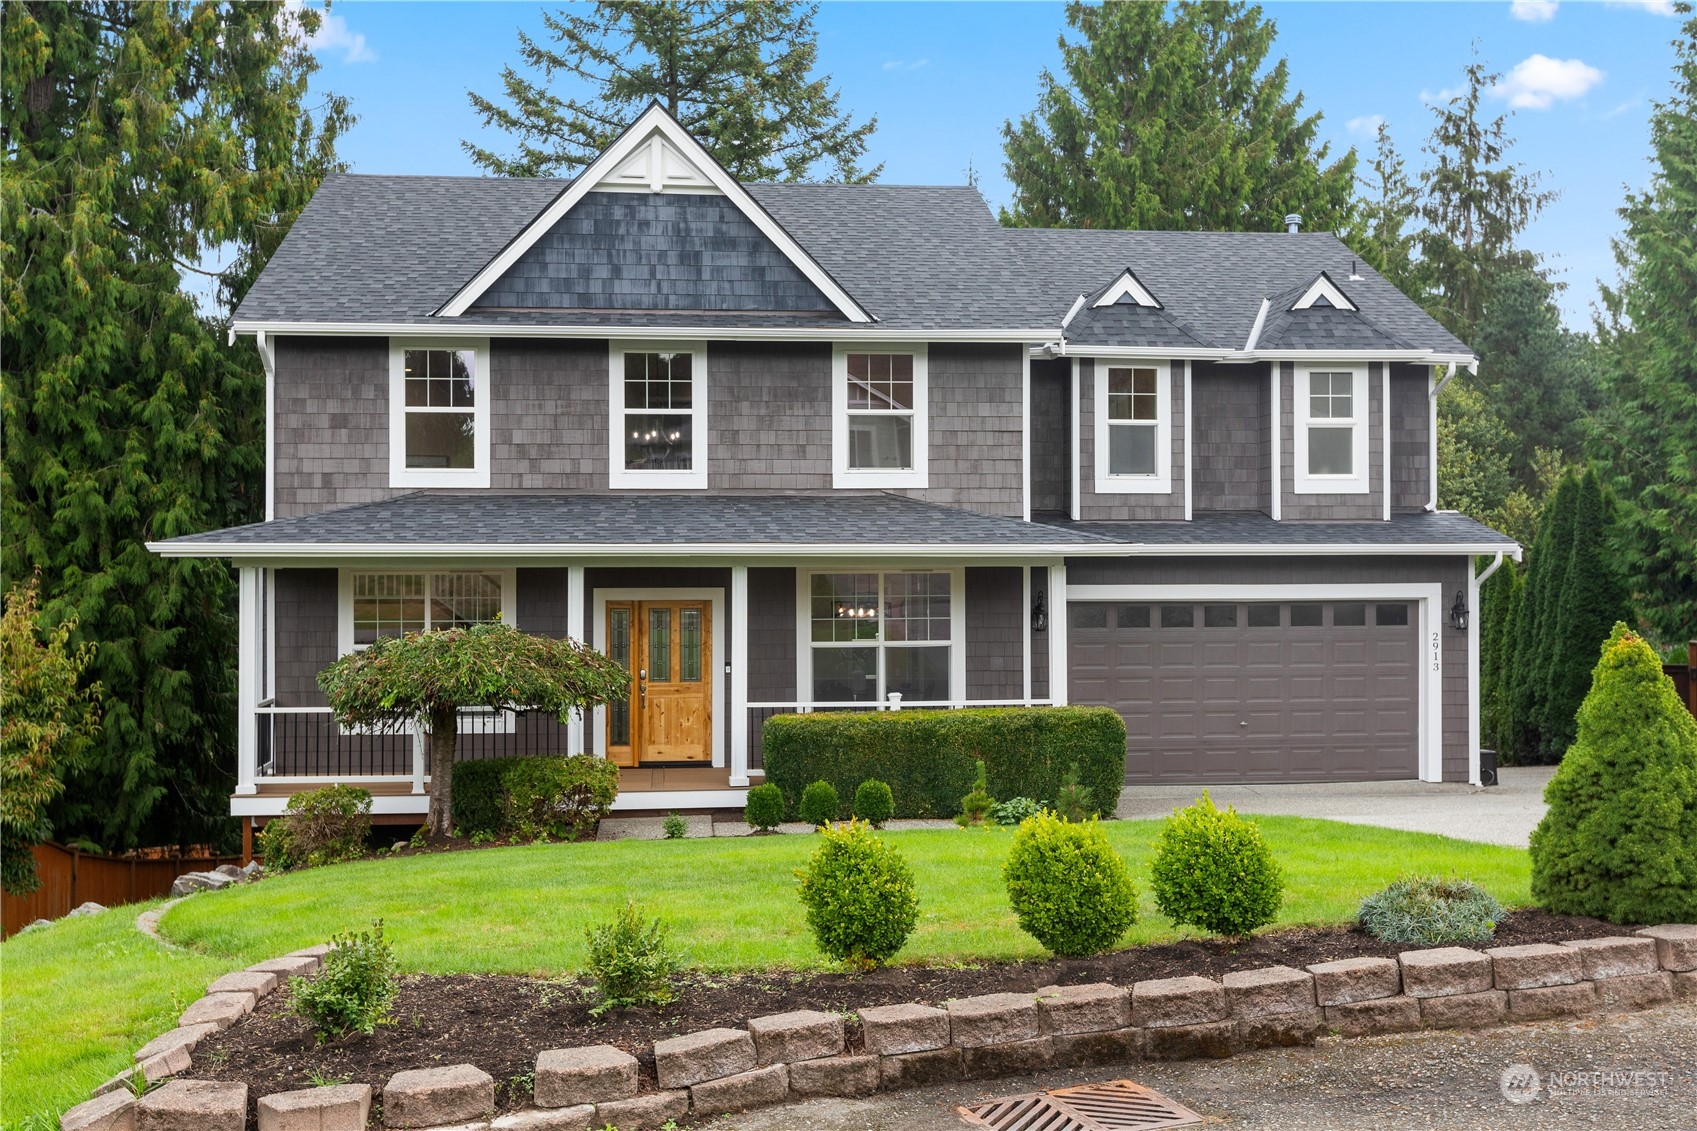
[
  {"x": 332, "y": 423},
  {"x": 548, "y": 415},
  {"x": 975, "y": 426},
  {"x": 769, "y": 416},
  {"x": 1111, "y": 507},
  {"x": 1229, "y": 454},
  {"x": 654, "y": 251},
  {"x": 995, "y": 633},
  {"x": 540, "y": 605},
  {"x": 1411, "y": 437},
  {"x": 1051, "y": 436},
  {"x": 307, "y": 632}
]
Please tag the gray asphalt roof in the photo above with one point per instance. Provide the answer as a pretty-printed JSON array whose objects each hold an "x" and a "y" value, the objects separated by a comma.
[
  {"x": 392, "y": 249},
  {"x": 1412, "y": 530}
]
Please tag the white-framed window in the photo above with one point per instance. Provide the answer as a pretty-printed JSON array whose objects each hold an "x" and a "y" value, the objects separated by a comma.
[
  {"x": 868, "y": 633},
  {"x": 439, "y": 413},
  {"x": 658, "y": 415},
  {"x": 1331, "y": 430},
  {"x": 376, "y": 603},
  {"x": 1134, "y": 427},
  {"x": 879, "y": 415}
]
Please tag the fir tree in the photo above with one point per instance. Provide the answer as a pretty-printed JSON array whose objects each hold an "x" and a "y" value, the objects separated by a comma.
[
  {"x": 1498, "y": 598},
  {"x": 738, "y": 74},
  {"x": 140, "y": 141},
  {"x": 1592, "y": 599},
  {"x": 1386, "y": 232},
  {"x": 1545, "y": 573},
  {"x": 1171, "y": 118}
]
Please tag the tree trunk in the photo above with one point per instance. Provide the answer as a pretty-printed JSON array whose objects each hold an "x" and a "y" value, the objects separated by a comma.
[{"x": 440, "y": 741}]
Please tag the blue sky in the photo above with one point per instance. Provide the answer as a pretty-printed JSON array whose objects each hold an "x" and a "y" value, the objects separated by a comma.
[{"x": 943, "y": 77}]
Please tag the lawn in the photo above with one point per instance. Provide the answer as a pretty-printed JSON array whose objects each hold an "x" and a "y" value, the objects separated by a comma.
[{"x": 80, "y": 996}]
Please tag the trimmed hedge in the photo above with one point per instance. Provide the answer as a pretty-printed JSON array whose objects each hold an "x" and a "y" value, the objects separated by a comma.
[
  {"x": 927, "y": 756},
  {"x": 527, "y": 797}
]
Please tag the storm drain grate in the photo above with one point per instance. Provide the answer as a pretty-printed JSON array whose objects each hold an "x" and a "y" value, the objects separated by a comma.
[{"x": 1118, "y": 1105}]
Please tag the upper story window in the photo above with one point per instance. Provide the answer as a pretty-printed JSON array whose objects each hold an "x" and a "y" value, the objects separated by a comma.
[
  {"x": 1133, "y": 411},
  {"x": 878, "y": 410},
  {"x": 438, "y": 414},
  {"x": 393, "y": 603},
  {"x": 1331, "y": 431},
  {"x": 658, "y": 415}
]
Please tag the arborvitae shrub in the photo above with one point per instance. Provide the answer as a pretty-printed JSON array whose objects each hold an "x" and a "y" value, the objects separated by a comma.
[
  {"x": 819, "y": 804},
  {"x": 975, "y": 806},
  {"x": 1073, "y": 801},
  {"x": 1431, "y": 911},
  {"x": 1213, "y": 870},
  {"x": 1620, "y": 838},
  {"x": 1068, "y": 887},
  {"x": 873, "y": 802},
  {"x": 630, "y": 962},
  {"x": 859, "y": 896},
  {"x": 320, "y": 826},
  {"x": 354, "y": 991},
  {"x": 765, "y": 807}
]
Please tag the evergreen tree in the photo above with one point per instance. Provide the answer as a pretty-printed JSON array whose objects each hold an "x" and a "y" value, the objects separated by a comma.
[
  {"x": 1546, "y": 571},
  {"x": 1498, "y": 598},
  {"x": 1648, "y": 436},
  {"x": 1171, "y": 118},
  {"x": 1473, "y": 465},
  {"x": 1502, "y": 711},
  {"x": 1386, "y": 231},
  {"x": 1592, "y": 600},
  {"x": 738, "y": 74},
  {"x": 140, "y": 141}
]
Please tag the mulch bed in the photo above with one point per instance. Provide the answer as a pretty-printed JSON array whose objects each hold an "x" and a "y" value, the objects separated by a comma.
[{"x": 500, "y": 1023}]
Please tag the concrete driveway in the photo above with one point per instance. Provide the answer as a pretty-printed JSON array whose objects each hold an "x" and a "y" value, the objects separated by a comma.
[{"x": 1502, "y": 814}]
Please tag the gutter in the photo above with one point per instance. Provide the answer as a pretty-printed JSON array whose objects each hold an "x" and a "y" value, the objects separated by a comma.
[{"x": 1450, "y": 370}]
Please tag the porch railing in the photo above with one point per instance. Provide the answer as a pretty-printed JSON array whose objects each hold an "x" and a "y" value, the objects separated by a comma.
[{"x": 306, "y": 742}]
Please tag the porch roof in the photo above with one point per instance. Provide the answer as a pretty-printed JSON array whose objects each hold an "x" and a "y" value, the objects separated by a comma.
[
  {"x": 426, "y": 523},
  {"x": 1447, "y": 532}
]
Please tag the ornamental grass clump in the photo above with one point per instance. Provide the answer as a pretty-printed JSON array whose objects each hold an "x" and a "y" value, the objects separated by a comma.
[
  {"x": 819, "y": 804},
  {"x": 874, "y": 803},
  {"x": 859, "y": 896},
  {"x": 1431, "y": 911},
  {"x": 630, "y": 962},
  {"x": 1069, "y": 888},
  {"x": 1213, "y": 870},
  {"x": 1620, "y": 838},
  {"x": 354, "y": 991}
]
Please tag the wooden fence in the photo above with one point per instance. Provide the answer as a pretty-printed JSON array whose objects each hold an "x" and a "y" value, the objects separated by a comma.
[
  {"x": 1684, "y": 677},
  {"x": 70, "y": 878}
]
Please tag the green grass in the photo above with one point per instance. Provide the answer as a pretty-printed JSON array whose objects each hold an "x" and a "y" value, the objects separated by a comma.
[{"x": 79, "y": 997}]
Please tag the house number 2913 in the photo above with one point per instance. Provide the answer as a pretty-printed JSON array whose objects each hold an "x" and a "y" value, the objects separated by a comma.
[{"x": 1437, "y": 654}]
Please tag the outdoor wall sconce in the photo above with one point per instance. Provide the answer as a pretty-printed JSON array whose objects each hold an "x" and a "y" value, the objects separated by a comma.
[
  {"x": 1458, "y": 612},
  {"x": 1039, "y": 615}
]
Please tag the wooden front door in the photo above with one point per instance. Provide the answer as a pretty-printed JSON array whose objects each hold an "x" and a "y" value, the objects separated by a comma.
[{"x": 667, "y": 648}]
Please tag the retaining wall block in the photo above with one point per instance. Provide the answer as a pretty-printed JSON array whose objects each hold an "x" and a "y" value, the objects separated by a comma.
[
  {"x": 344, "y": 1107},
  {"x": 317, "y": 952},
  {"x": 1616, "y": 957},
  {"x": 155, "y": 1068},
  {"x": 1464, "y": 1011},
  {"x": 114, "y": 1111},
  {"x": 1166, "y": 1002},
  {"x": 1217, "y": 1039},
  {"x": 255, "y": 982},
  {"x": 300, "y": 966},
  {"x": 1281, "y": 1030},
  {"x": 185, "y": 1038},
  {"x": 1444, "y": 970},
  {"x": 1375, "y": 1015},
  {"x": 1535, "y": 965},
  {"x": 992, "y": 1019},
  {"x": 1676, "y": 945},
  {"x": 755, "y": 1088},
  {"x": 834, "y": 1076},
  {"x": 705, "y": 1055},
  {"x": 434, "y": 1097},
  {"x": 222, "y": 1010},
  {"x": 1014, "y": 1058},
  {"x": 644, "y": 1113},
  {"x": 1634, "y": 991},
  {"x": 895, "y": 1029},
  {"x": 1539, "y": 1002},
  {"x": 193, "y": 1105},
  {"x": 1684, "y": 984},
  {"x": 1350, "y": 980},
  {"x": 1093, "y": 1008},
  {"x": 1269, "y": 992},
  {"x": 589, "y": 1075},
  {"x": 917, "y": 1069},
  {"x": 578, "y": 1118},
  {"x": 804, "y": 1034},
  {"x": 1084, "y": 1050}
]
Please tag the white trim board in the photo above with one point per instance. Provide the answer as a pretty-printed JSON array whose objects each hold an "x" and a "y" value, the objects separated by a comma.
[
  {"x": 1127, "y": 286},
  {"x": 1161, "y": 482},
  {"x": 1429, "y": 596},
  {"x": 596, "y": 739}
]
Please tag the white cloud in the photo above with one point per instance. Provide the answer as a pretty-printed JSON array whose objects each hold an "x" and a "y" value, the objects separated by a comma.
[
  {"x": 1443, "y": 95},
  {"x": 905, "y": 65},
  {"x": 333, "y": 34},
  {"x": 1654, "y": 7},
  {"x": 1533, "y": 11},
  {"x": 1365, "y": 126},
  {"x": 1539, "y": 82}
]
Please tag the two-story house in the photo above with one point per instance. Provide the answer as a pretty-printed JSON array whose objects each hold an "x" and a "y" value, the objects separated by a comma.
[{"x": 779, "y": 447}]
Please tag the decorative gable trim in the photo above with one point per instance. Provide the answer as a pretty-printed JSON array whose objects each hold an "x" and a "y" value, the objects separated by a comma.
[
  {"x": 1127, "y": 287},
  {"x": 635, "y": 152},
  {"x": 1323, "y": 287}
]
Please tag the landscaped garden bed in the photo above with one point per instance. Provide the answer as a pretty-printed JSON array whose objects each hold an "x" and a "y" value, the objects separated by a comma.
[{"x": 500, "y": 1023}]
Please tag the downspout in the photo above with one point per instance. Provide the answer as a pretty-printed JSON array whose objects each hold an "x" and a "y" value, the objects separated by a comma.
[
  {"x": 1432, "y": 430},
  {"x": 1473, "y": 632}
]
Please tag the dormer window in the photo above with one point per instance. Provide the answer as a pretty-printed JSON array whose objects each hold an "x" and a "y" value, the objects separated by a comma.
[
  {"x": 1331, "y": 431},
  {"x": 1133, "y": 406},
  {"x": 658, "y": 415},
  {"x": 878, "y": 402},
  {"x": 438, "y": 414}
]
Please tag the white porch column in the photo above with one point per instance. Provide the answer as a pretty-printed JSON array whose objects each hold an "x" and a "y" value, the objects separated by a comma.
[
  {"x": 418, "y": 761},
  {"x": 248, "y": 650},
  {"x": 739, "y": 676},
  {"x": 1025, "y": 634},
  {"x": 575, "y": 743},
  {"x": 1058, "y": 634}
]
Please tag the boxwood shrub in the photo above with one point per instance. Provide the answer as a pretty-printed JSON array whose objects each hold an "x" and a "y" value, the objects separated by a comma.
[
  {"x": 527, "y": 797},
  {"x": 927, "y": 756}
]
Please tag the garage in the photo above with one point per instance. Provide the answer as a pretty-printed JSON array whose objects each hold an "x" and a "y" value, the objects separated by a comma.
[{"x": 1223, "y": 691}]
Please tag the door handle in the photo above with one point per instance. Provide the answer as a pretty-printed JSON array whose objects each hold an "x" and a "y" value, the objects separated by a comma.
[
  {"x": 1242, "y": 724},
  {"x": 642, "y": 687}
]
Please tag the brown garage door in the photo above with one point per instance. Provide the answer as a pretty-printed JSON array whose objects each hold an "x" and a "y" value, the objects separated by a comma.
[{"x": 1253, "y": 692}]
